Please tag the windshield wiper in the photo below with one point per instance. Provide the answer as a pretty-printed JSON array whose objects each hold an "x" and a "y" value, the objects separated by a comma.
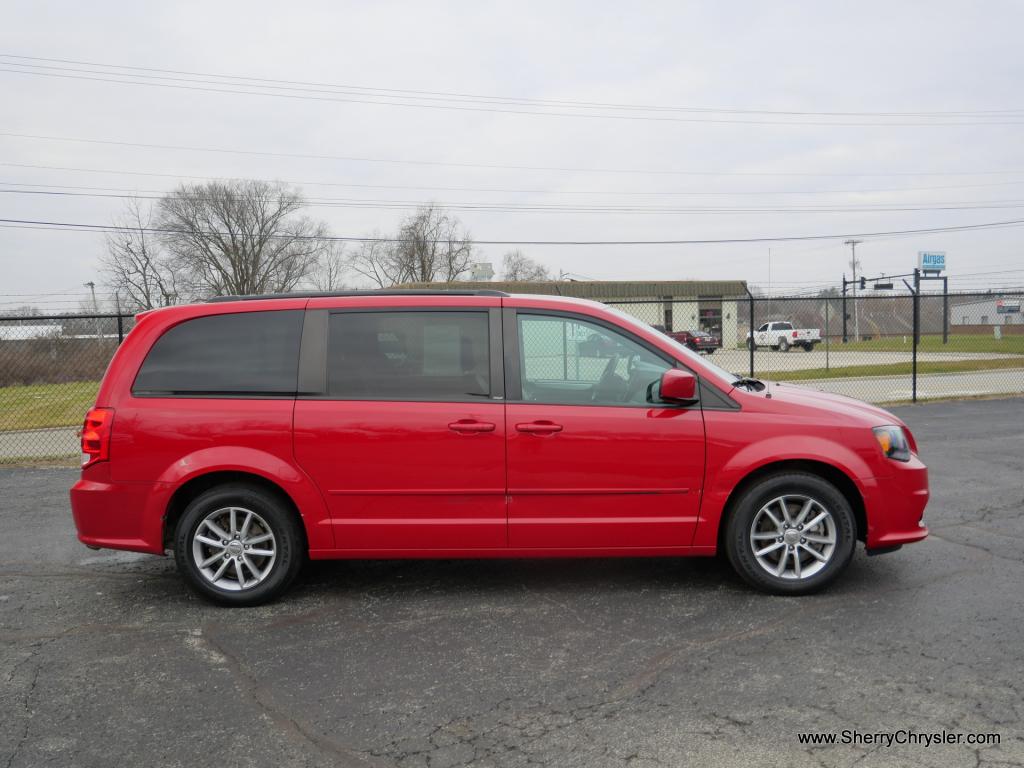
[{"x": 745, "y": 381}]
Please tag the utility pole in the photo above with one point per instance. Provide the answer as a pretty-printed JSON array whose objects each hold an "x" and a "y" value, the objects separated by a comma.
[
  {"x": 92, "y": 287},
  {"x": 854, "y": 264},
  {"x": 120, "y": 320},
  {"x": 95, "y": 307},
  {"x": 846, "y": 314}
]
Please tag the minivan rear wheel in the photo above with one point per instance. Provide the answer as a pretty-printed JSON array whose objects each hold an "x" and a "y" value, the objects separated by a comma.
[
  {"x": 238, "y": 545},
  {"x": 791, "y": 534}
]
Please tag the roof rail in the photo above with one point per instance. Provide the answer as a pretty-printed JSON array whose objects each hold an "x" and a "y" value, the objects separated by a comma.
[{"x": 342, "y": 294}]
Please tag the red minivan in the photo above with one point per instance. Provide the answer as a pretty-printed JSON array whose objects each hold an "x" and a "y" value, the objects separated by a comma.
[{"x": 250, "y": 433}]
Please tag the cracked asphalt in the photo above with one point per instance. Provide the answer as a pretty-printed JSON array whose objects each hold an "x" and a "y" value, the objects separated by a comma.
[{"x": 106, "y": 659}]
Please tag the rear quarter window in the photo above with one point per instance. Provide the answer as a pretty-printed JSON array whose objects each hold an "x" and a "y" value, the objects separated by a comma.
[{"x": 250, "y": 353}]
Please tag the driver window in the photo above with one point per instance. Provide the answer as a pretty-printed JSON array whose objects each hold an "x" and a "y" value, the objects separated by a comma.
[{"x": 570, "y": 361}]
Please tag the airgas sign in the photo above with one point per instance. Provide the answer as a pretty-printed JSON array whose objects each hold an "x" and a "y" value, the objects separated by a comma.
[{"x": 931, "y": 261}]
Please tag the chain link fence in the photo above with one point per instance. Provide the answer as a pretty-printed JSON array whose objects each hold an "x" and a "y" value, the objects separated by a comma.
[
  {"x": 50, "y": 369},
  {"x": 874, "y": 347},
  {"x": 565, "y": 350},
  {"x": 879, "y": 348}
]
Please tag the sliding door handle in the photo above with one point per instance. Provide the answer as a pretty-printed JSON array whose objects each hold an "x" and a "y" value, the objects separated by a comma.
[
  {"x": 539, "y": 428},
  {"x": 469, "y": 426}
]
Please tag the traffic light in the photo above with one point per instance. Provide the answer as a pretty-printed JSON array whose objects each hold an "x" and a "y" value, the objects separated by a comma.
[{"x": 863, "y": 283}]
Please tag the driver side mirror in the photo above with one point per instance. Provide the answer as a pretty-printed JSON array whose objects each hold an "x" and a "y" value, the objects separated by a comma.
[{"x": 678, "y": 386}]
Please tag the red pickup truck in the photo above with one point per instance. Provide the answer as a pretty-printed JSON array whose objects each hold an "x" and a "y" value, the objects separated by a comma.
[{"x": 698, "y": 341}]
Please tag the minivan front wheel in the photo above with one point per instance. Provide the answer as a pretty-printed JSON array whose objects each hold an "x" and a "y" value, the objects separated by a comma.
[
  {"x": 791, "y": 534},
  {"x": 238, "y": 545}
]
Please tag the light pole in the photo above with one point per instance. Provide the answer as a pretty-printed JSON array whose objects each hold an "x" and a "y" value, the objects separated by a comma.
[{"x": 853, "y": 263}]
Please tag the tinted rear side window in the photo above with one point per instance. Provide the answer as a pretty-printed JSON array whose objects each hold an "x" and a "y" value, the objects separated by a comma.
[
  {"x": 241, "y": 353},
  {"x": 408, "y": 356}
]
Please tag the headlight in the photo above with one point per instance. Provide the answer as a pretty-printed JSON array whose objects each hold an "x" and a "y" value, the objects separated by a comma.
[{"x": 893, "y": 442}]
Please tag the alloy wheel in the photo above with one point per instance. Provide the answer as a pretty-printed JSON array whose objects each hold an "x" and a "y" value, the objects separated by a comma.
[
  {"x": 793, "y": 536},
  {"x": 234, "y": 548}
]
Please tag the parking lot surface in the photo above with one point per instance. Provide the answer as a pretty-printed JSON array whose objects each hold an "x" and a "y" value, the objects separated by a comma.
[{"x": 106, "y": 659}]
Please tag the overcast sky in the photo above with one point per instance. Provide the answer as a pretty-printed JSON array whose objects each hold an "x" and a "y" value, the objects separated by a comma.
[{"x": 813, "y": 57}]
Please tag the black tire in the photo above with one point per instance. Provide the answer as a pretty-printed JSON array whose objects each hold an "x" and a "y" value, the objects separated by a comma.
[
  {"x": 739, "y": 548},
  {"x": 808, "y": 347},
  {"x": 279, "y": 519},
  {"x": 751, "y": 344},
  {"x": 783, "y": 345}
]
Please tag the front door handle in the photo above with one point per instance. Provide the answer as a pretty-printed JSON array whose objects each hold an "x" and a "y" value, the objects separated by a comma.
[
  {"x": 469, "y": 426},
  {"x": 539, "y": 428}
]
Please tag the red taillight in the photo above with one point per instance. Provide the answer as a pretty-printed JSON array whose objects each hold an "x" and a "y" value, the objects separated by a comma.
[
  {"x": 794, "y": 334},
  {"x": 96, "y": 435}
]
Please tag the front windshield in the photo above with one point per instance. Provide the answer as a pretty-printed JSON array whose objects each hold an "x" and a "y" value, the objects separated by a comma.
[{"x": 682, "y": 351}]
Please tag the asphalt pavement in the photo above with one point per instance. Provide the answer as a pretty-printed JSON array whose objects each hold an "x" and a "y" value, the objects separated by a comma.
[{"x": 106, "y": 659}]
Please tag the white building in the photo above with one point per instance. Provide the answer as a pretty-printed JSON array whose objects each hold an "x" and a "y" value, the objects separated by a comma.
[
  {"x": 675, "y": 305},
  {"x": 482, "y": 271},
  {"x": 988, "y": 311}
]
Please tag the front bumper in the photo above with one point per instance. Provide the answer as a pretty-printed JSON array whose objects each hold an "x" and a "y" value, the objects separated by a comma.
[{"x": 895, "y": 506}]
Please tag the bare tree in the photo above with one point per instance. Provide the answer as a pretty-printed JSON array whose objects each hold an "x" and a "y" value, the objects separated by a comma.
[
  {"x": 241, "y": 237},
  {"x": 431, "y": 247},
  {"x": 330, "y": 271},
  {"x": 518, "y": 267},
  {"x": 378, "y": 262},
  {"x": 135, "y": 266}
]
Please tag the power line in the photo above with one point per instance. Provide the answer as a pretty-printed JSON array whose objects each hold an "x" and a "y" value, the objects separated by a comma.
[
  {"x": 205, "y": 86},
  {"x": 552, "y": 208},
  {"x": 496, "y": 166},
  {"x": 41, "y": 295},
  {"x": 805, "y": 286},
  {"x": 980, "y": 274},
  {"x": 406, "y": 92},
  {"x": 814, "y": 292},
  {"x": 406, "y": 187},
  {"x": 79, "y": 227}
]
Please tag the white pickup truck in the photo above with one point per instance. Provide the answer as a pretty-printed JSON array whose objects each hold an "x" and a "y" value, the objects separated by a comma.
[{"x": 781, "y": 335}]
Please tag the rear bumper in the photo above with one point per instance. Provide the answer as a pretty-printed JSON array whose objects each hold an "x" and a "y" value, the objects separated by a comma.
[
  {"x": 895, "y": 506},
  {"x": 118, "y": 515}
]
